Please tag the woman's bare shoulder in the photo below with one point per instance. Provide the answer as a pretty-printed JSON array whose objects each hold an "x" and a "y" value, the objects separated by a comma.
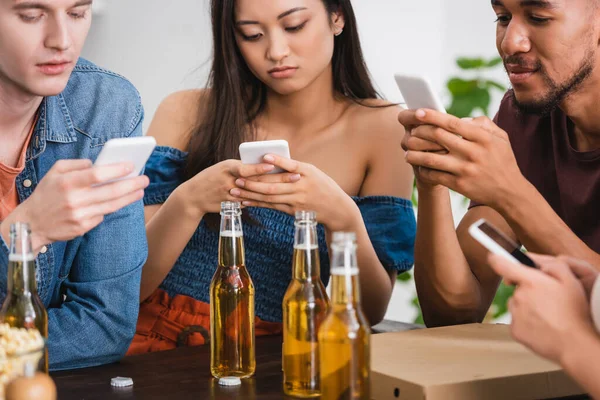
[
  {"x": 376, "y": 119},
  {"x": 380, "y": 136},
  {"x": 176, "y": 117}
]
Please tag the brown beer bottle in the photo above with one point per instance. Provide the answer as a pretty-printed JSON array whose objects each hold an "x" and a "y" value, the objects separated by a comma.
[
  {"x": 305, "y": 305},
  {"x": 22, "y": 307},
  {"x": 344, "y": 336},
  {"x": 231, "y": 302}
]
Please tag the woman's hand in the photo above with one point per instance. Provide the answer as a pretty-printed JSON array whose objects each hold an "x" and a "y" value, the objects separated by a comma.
[
  {"x": 205, "y": 191},
  {"x": 302, "y": 187}
]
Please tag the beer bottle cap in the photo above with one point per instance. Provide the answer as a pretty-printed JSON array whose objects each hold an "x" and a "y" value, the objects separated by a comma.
[
  {"x": 120, "y": 381},
  {"x": 230, "y": 381}
]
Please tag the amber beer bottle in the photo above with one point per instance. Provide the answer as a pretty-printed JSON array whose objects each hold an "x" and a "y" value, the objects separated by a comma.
[
  {"x": 305, "y": 306},
  {"x": 344, "y": 336},
  {"x": 22, "y": 307},
  {"x": 231, "y": 302}
]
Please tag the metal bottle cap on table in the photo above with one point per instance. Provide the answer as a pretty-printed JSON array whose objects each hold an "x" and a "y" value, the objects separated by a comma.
[
  {"x": 230, "y": 381},
  {"x": 120, "y": 381}
]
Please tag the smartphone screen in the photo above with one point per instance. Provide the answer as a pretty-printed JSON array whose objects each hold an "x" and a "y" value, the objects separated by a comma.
[{"x": 506, "y": 243}]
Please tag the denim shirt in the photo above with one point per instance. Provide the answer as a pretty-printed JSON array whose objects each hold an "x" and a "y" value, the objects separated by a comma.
[{"x": 90, "y": 285}]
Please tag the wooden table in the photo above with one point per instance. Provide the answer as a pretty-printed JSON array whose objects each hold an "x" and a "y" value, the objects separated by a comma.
[
  {"x": 179, "y": 374},
  {"x": 183, "y": 373}
]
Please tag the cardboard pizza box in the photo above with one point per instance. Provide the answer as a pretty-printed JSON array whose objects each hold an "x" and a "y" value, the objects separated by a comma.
[{"x": 464, "y": 362}]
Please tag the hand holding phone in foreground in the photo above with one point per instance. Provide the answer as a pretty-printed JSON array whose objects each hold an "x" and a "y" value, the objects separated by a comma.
[
  {"x": 549, "y": 308},
  {"x": 498, "y": 243},
  {"x": 582, "y": 270},
  {"x": 73, "y": 198}
]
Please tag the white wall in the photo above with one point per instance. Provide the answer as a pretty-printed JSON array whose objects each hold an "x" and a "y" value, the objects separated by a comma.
[
  {"x": 394, "y": 40},
  {"x": 161, "y": 46},
  {"x": 470, "y": 31},
  {"x": 166, "y": 46}
]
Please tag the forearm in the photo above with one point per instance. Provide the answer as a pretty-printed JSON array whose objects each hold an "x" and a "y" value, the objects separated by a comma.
[
  {"x": 539, "y": 228},
  {"x": 168, "y": 232},
  {"x": 582, "y": 362},
  {"x": 448, "y": 290},
  {"x": 375, "y": 283}
]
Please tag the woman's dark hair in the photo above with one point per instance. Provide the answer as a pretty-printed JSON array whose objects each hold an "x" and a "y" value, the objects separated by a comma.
[{"x": 236, "y": 97}]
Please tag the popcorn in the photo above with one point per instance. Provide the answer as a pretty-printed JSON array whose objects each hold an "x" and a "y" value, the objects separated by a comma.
[{"x": 18, "y": 347}]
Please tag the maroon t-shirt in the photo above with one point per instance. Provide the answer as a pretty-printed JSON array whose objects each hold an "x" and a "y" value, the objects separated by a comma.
[{"x": 568, "y": 179}]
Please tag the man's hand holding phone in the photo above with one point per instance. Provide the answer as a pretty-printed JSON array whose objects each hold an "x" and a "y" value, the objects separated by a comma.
[
  {"x": 418, "y": 93},
  {"x": 470, "y": 156},
  {"x": 479, "y": 164},
  {"x": 73, "y": 198}
]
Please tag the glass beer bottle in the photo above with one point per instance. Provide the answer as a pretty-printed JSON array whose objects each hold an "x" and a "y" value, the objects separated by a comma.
[
  {"x": 22, "y": 307},
  {"x": 231, "y": 302},
  {"x": 345, "y": 335},
  {"x": 304, "y": 306}
]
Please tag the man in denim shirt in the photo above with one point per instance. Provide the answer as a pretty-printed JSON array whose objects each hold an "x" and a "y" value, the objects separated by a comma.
[{"x": 90, "y": 239}]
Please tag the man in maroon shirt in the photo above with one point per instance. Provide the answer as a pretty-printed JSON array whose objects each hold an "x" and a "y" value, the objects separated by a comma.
[{"x": 534, "y": 172}]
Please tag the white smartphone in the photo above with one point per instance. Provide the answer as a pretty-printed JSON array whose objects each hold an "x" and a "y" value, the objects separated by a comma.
[
  {"x": 418, "y": 93},
  {"x": 136, "y": 150},
  {"x": 498, "y": 243},
  {"x": 253, "y": 152}
]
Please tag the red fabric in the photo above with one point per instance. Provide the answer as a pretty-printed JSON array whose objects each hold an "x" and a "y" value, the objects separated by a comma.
[{"x": 166, "y": 323}]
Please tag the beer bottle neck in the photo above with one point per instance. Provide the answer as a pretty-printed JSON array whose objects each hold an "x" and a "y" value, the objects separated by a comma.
[
  {"x": 21, "y": 268},
  {"x": 344, "y": 272},
  {"x": 306, "y": 264},
  {"x": 231, "y": 241},
  {"x": 21, "y": 275},
  {"x": 345, "y": 291}
]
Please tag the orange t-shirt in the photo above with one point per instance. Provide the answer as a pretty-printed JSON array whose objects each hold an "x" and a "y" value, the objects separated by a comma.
[{"x": 9, "y": 198}]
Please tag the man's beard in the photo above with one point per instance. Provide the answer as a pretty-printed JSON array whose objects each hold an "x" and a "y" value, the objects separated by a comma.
[{"x": 557, "y": 92}]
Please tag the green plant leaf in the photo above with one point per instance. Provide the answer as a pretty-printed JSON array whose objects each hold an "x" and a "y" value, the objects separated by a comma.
[
  {"x": 482, "y": 99},
  {"x": 419, "y": 318},
  {"x": 404, "y": 277},
  {"x": 462, "y": 106},
  {"x": 415, "y": 195},
  {"x": 503, "y": 294},
  {"x": 470, "y": 63},
  {"x": 458, "y": 86},
  {"x": 493, "y": 62},
  {"x": 493, "y": 84}
]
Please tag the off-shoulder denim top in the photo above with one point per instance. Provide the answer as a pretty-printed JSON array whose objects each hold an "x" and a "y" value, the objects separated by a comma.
[{"x": 269, "y": 240}]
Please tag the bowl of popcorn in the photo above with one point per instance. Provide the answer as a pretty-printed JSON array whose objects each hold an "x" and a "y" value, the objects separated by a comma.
[{"x": 21, "y": 352}]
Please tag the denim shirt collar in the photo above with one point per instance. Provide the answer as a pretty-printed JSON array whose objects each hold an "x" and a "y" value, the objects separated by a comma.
[{"x": 54, "y": 124}]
